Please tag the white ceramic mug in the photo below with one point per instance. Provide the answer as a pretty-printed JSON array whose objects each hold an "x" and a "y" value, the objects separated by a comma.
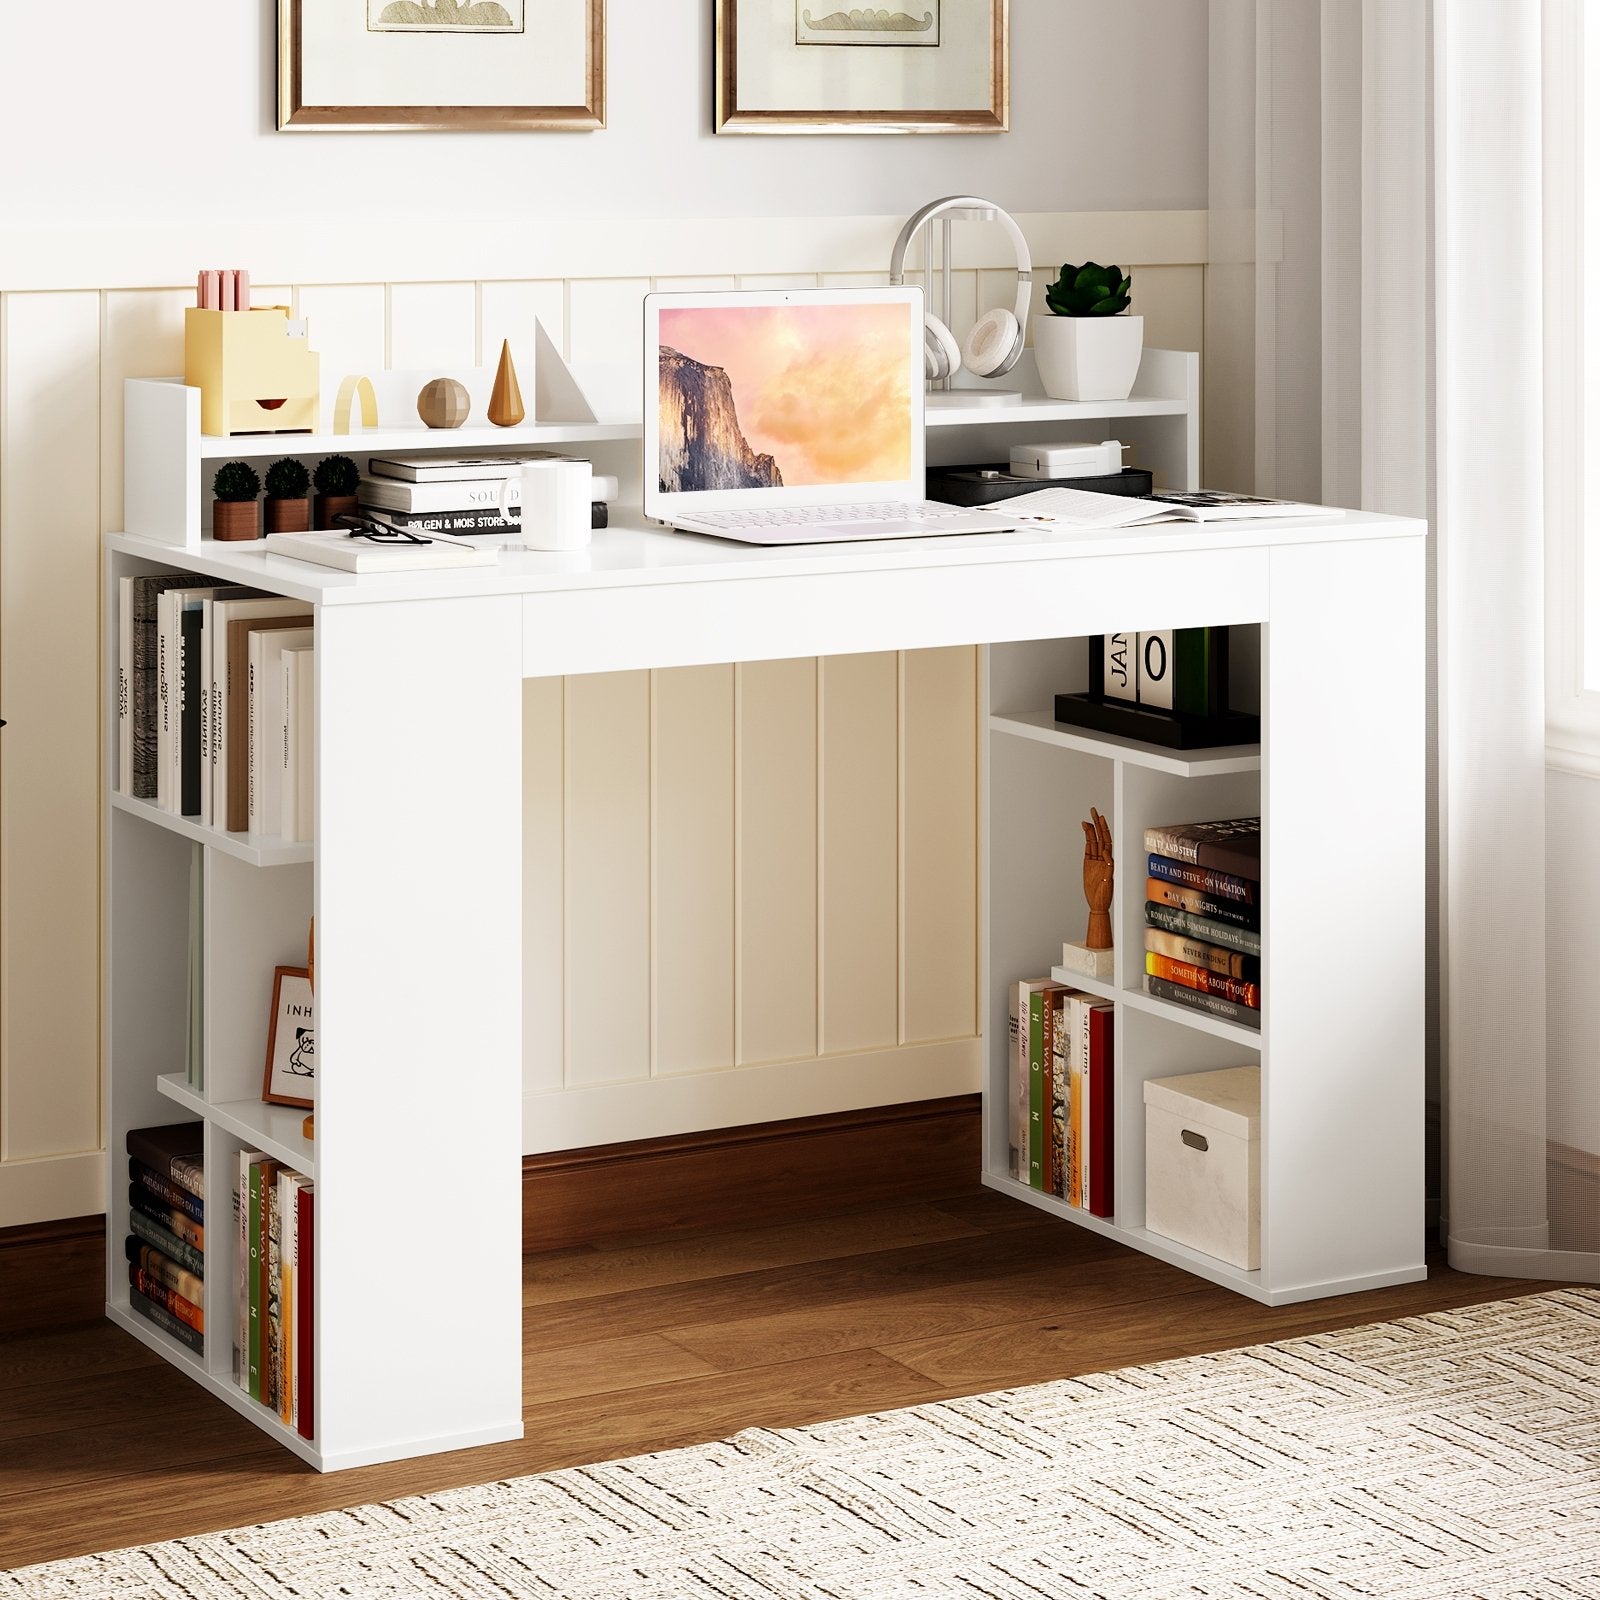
[{"x": 556, "y": 498}]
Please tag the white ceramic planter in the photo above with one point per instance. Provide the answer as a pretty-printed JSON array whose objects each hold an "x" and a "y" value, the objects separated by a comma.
[{"x": 1088, "y": 358}]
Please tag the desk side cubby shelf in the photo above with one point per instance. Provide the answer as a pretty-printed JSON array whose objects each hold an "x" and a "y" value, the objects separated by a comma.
[
  {"x": 1040, "y": 779},
  {"x": 257, "y": 896}
]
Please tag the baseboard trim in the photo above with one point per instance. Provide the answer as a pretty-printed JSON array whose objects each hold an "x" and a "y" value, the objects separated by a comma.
[
  {"x": 771, "y": 1171},
  {"x": 59, "y": 1231}
]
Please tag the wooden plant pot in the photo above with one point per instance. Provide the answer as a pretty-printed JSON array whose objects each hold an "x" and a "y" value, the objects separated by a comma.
[
  {"x": 330, "y": 506},
  {"x": 288, "y": 516},
  {"x": 235, "y": 519}
]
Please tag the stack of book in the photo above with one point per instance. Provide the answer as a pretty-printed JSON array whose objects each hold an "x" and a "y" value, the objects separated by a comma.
[
  {"x": 274, "y": 1352},
  {"x": 216, "y": 703},
  {"x": 1203, "y": 917},
  {"x": 459, "y": 494},
  {"x": 167, "y": 1242},
  {"x": 1062, "y": 1056}
]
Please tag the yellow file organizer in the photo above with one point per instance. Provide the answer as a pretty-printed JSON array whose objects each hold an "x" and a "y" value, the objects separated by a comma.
[{"x": 253, "y": 370}]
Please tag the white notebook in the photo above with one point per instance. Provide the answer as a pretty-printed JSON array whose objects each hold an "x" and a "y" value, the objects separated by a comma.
[{"x": 364, "y": 555}]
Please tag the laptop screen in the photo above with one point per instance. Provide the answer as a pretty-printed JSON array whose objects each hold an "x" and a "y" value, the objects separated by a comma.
[{"x": 800, "y": 396}]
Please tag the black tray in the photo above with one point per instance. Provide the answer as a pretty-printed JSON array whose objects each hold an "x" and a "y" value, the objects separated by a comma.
[
  {"x": 971, "y": 486},
  {"x": 1176, "y": 730}
]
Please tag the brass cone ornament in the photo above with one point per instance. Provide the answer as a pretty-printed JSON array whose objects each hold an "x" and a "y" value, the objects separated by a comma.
[{"x": 505, "y": 400}]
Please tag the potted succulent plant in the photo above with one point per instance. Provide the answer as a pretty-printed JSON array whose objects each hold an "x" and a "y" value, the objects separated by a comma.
[
  {"x": 336, "y": 479},
  {"x": 234, "y": 516},
  {"x": 288, "y": 496},
  {"x": 1086, "y": 347}
]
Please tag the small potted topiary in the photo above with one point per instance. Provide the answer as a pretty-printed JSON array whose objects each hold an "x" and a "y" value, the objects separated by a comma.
[
  {"x": 288, "y": 496},
  {"x": 336, "y": 479},
  {"x": 234, "y": 515},
  {"x": 1087, "y": 349}
]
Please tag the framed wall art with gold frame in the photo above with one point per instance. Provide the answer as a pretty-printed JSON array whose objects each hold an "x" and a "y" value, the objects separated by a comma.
[
  {"x": 368, "y": 65},
  {"x": 821, "y": 66}
]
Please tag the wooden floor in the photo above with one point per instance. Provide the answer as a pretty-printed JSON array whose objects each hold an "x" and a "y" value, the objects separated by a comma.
[{"x": 631, "y": 1344}]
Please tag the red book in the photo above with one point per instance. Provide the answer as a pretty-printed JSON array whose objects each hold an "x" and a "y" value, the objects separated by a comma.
[
  {"x": 305, "y": 1321},
  {"x": 1101, "y": 1199}
]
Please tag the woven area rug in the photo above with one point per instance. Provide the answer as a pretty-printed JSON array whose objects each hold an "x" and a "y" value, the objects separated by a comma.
[{"x": 1454, "y": 1454}]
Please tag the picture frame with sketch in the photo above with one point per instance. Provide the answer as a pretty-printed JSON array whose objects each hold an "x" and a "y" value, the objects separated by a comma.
[
  {"x": 819, "y": 66},
  {"x": 290, "y": 1078}
]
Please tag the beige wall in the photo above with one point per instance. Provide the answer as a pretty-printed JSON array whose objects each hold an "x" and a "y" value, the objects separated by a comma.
[{"x": 769, "y": 872}]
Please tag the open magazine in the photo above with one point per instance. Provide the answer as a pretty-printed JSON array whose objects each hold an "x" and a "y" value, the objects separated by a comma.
[{"x": 1082, "y": 508}]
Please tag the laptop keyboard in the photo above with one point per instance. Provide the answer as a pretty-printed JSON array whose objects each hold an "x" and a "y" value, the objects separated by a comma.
[{"x": 804, "y": 516}]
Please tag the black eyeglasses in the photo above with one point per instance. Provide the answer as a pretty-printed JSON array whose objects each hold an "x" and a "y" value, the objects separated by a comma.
[{"x": 378, "y": 531}]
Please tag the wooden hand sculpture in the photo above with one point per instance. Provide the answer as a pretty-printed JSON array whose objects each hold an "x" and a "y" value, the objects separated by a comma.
[{"x": 1098, "y": 874}]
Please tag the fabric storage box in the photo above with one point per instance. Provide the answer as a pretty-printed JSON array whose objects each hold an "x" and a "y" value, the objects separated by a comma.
[{"x": 1202, "y": 1162}]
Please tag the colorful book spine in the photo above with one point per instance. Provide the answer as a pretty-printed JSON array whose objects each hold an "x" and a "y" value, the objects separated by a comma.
[
  {"x": 1157, "y": 891},
  {"x": 145, "y": 693},
  {"x": 157, "y": 1293},
  {"x": 1028, "y": 1152},
  {"x": 272, "y": 1296},
  {"x": 1211, "y": 1005},
  {"x": 168, "y": 1323},
  {"x": 165, "y": 1191},
  {"x": 1229, "y": 846},
  {"x": 452, "y": 521},
  {"x": 1072, "y": 1187},
  {"x": 164, "y": 1270},
  {"x": 1214, "y": 931},
  {"x": 1016, "y": 1089},
  {"x": 1228, "y": 887},
  {"x": 253, "y": 1277},
  {"x": 305, "y": 1314},
  {"x": 288, "y": 1253},
  {"x": 173, "y": 1152},
  {"x": 1193, "y": 977},
  {"x": 174, "y": 1219},
  {"x": 167, "y": 1243},
  {"x": 1213, "y": 957},
  {"x": 1056, "y": 1134},
  {"x": 1100, "y": 1076},
  {"x": 1036, "y": 1008}
]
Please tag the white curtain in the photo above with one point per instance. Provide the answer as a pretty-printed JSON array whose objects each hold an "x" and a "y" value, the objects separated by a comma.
[{"x": 1378, "y": 166}]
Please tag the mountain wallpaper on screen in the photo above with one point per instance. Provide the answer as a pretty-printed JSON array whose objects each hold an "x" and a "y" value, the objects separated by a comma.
[{"x": 702, "y": 445}]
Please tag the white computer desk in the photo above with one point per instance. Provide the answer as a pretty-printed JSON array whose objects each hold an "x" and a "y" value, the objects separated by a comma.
[{"x": 417, "y": 886}]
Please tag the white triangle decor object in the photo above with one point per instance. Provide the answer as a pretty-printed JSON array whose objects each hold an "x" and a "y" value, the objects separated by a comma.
[{"x": 557, "y": 395}]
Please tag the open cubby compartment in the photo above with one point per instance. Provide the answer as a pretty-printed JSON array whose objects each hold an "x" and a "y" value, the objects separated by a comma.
[
  {"x": 1155, "y": 1046},
  {"x": 223, "y": 1332},
  {"x": 146, "y": 1005},
  {"x": 256, "y": 920},
  {"x": 1037, "y": 795},
  {"x": 1149, "y": 797}
]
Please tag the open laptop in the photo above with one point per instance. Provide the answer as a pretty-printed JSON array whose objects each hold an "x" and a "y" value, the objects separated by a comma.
[{"x": 791, "y": 417}]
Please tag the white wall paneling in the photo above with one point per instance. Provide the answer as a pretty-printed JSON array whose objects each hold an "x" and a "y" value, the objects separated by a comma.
[
  {"x": 49, "y": 821},
  {"x": 607, "y": 805},
  {"x": 858, "y": 821},
  {"x": 726, "y": 909},
  {"x": 776, "y": 807},
  {"x": 692, "y": 855}
]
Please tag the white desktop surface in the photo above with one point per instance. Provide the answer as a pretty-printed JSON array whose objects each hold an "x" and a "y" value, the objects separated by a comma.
[{"x": 632, "y": 553}]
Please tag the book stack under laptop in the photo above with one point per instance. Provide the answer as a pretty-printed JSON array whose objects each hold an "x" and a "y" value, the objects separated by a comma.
[{"x": 459, "y": 495}]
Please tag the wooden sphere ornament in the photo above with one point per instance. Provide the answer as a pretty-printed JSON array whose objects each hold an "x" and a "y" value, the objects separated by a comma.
[
  {"x": 505, "y": 400},
  {"x": 444, "y": 403}
]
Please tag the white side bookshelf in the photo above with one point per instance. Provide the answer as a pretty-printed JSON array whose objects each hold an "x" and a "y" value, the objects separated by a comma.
[{"x": 1040, "y": 779}]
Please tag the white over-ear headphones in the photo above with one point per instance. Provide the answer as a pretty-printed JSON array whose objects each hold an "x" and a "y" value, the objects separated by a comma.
[{"x": 995, "y": 344}]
